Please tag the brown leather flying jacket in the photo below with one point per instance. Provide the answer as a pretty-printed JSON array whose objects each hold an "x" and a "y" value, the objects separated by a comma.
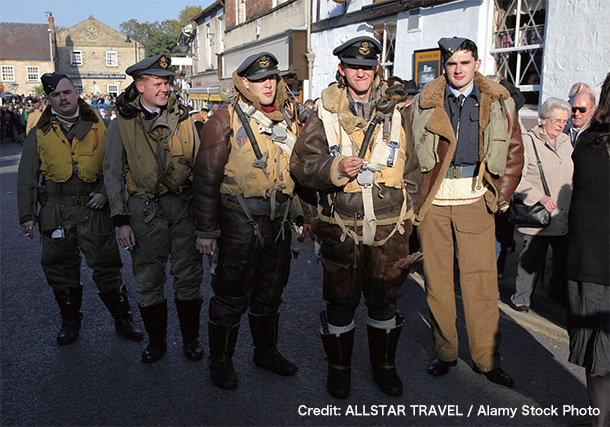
[
  {"x": 501, "y": 187},
  {"x": 214, "y": 150},
  {"x": 314, "y": 167}
]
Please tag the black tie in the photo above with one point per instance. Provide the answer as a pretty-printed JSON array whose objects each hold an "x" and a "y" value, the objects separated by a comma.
[{"x": 460, "y": 103}]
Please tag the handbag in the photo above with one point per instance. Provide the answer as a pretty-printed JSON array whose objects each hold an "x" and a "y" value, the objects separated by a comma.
[{"x": 536, "y": 216}]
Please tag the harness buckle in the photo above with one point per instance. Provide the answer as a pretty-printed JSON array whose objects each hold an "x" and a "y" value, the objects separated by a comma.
[
  {"x": 365, "y": 177},
  {"x": 279, "y": 133},
  {"x": 394, "y": 145},
  {"x": 333, "y": 150}
]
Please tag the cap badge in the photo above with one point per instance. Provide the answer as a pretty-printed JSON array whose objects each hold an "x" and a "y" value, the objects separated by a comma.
[
  {"x": 364, "y": 48},
  {"x": 163, "y": 62},
  {"x": 264, "y": 62}
]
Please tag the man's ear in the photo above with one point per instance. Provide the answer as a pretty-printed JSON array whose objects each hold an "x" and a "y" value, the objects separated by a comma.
[
  {"x": 140, "y": 87},
  {"x": 246, "y": 82},
  {"x": 341, "y": 69},
  {"x": 478, "y": 65}
]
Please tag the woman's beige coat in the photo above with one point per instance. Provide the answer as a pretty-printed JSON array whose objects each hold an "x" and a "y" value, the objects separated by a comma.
[{"x": 558, "y": 169}]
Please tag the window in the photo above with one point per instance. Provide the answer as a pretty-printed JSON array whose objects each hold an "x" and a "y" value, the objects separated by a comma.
[
  {"x": 386, "y": 35},
  {"x": 112, "y": 59},
  {"x": 113, "y": 89},
  {"x": 240, "y": 10},
  {"x": 518, "y": 43},
  {"x": 79, "y": 88},
  {"x": 32, "y": 74},
  {"x": 76, "y": 58},
  {"x": 8, "y": 73}
]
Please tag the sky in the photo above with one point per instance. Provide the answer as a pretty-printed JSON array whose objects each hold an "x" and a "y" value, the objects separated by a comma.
[{"x": 110, "y": 12}]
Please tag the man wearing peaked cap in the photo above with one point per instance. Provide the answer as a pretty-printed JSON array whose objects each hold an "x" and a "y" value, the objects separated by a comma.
[
  {"x": 244, "y": 203},
  {"x": 359, "y": 51},
  {"x": 257, "y": 67},
  {"x": 66, "y": 148},
  {"x": 368, "y": 190},
  {"x": 469, "y": 174},
  {"x": 151, "y": 148},
  {"x": 157, "y": 65}
]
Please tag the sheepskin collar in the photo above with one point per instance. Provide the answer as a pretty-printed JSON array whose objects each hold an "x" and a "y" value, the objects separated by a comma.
[
  {"x": 85, "y": 113},
  {"x": 280, "y": 97},
  {"x": 336, "y": 100},
  {"x": 433, "y": 94}
]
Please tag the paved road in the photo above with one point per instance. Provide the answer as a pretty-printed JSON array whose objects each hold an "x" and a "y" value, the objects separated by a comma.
[{"x": 100, "y": 379}]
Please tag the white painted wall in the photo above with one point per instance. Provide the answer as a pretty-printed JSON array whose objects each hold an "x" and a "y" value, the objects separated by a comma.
[
  {"x": 577, "y": 46},
  {"x": 323, "y": 43},
  {"x": 467, "y": 18},
  {"x": 577, "y": 41}
]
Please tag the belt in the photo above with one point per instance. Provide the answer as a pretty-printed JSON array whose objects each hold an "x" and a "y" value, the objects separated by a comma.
[
  {"x": 256, "y": 205},
  {"x": 68, "y": 200},
  {"x": 461, "y": 172}
]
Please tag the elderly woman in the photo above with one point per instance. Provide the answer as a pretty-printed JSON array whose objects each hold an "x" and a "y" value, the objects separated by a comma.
[{"x": 555, "y": 151}]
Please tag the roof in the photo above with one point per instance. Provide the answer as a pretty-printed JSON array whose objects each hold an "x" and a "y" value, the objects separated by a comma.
[
  {"x": 207, "y": 11},
  {"x": 24, "y": 41}
]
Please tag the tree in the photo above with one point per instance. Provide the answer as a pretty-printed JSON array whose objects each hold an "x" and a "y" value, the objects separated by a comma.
[
  {"x": 139, "y": 31},
  {"x": 187, "y": 14},
  {"x": 162, "y": 43},
  {"x": 159, "y": 37}
]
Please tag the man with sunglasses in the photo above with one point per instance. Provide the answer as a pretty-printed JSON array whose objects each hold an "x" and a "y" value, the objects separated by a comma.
[
  {"x": 583, "y": 108},
  {"x": 244, "y": 203},
  {"x": 357, "y": 152}
]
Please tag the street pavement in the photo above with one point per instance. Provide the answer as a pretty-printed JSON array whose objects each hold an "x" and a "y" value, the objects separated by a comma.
[{"x": 100, "y": 379}]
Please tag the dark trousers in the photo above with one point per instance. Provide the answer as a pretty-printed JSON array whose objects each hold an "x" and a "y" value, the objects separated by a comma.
[
  {"x": 84, "y": 229},
  {"x": 170, "y": 234},
  {"x": 249, "y": 275},
  {"x": 531, "y": 267},
  {"x": 351, "y": 270}
]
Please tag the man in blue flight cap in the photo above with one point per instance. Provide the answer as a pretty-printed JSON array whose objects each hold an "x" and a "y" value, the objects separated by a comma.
[{"x": 468, "y": 140}]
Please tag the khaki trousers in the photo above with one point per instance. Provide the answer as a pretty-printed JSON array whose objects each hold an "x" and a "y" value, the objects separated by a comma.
[{"x": 470, "y": 228}]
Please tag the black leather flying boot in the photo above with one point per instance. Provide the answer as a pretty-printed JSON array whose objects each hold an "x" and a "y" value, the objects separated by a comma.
[
  {"x": 188, "y": 313},
  {"x": 155, "y": 321},
  {"x": 222, "y": 347},
  {"x": 382, "y": 349},
  {"x": 117, "y": 303},
  {"x": 339, "y": 356},
  {"x": 69, "y": 302},
  {"x": 264, "y": 333}
]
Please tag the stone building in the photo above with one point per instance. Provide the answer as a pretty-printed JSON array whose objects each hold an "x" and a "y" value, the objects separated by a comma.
[
  {"x": 95, "y": 56},
  {"x": 230, "y": 31},
  {"x": 25, "y": 55}
]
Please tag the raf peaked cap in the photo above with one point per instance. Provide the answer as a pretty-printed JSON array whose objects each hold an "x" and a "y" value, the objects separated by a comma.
[
  {"x": 361, "y": 50},
  {"x": 50, "y": 81},
  {"x": 257, "y": 67},
  {"x": 157, "y": 65},
  {"x": 450, "y": 46}
]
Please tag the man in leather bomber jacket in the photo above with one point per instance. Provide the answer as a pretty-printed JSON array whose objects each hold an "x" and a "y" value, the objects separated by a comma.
[
  {"x": 244, "y": 201},
  {"x": 357, "y": 152}
]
